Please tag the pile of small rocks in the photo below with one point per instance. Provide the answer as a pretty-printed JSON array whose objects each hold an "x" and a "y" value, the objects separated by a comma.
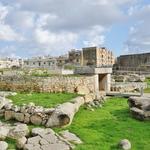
[
  {"x": 30, "y": 113},
  {"x": 96, "y": 103},
  {"x": 38, "y": 139}
]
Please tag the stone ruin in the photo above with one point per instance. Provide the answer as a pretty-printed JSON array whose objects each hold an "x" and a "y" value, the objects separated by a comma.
[
  {"x": 37, "y": 138},
  {"x": 61, "y": 115},
  {"x": 140, "y": 107}
]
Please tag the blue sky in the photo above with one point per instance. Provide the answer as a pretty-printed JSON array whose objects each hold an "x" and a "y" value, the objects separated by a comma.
[{"x": 53, "y": 27}]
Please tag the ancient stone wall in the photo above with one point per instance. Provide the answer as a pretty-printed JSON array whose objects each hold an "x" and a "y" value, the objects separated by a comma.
[
  {"x": 71, "y": 84},
  {"x": 134, "y": 62}
]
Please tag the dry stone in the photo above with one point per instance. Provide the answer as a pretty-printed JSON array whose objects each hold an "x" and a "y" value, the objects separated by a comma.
[
  {"x": 56, "y": 146},
  {"x": 140, "y": 107},
  {"x": 19, "y": 117},
  {"x": 34, "y": 140},
  {"x": 3, "y": 132},
  {"x": 9, "y": 115},
  {"x": 18, "y": 131},
  {"x": 83, "y": 90},
  {"x": 36, "y": 119},
  {"x": 3, "y": 145},
  {"x": 70, "y": 137},
  {"x": 21, "y": 142},
  {"x": 64, "y": 113},
  {"x": 125, "y": 144}
]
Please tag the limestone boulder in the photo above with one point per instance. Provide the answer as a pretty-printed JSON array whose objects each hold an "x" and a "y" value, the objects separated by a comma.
[
  {"x": 36, "y": 119},
  {"x": 125, "y": 144},
  {"x": 64, "y": 113},
  {"x": 19, "y": 117},
  {"x": 9, "y": 115},
  {"x": 3, "y": 145},
  {"x": 3, "y": 102},
  {"x": 18, "y": 131},
  {"x": 21, "y": 142},
  {"x": 72, "y": 138},
  {"x": 3, "y": 132},
  {"x": 140, "y": 107},
  {"x": 56, "y": 146}
]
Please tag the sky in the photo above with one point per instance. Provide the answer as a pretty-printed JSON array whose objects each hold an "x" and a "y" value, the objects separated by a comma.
[{"x": 53, "y": 27}]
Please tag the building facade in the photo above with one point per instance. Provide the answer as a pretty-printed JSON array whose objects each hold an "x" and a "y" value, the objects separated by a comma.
[
  {"x": 133, "y": 62},
  {"x": 74, "y": 57},
  {"x": 45, "y": 62},
  {"x": 10, "y": 63},
  {"x": 94, "y": 56}
]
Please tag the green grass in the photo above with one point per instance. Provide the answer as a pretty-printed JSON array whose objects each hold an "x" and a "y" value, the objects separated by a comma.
[
  {"x": 105, "y": 127},
  {"x": 42, "y": 99},
  {"x": 147, "y": 90}
]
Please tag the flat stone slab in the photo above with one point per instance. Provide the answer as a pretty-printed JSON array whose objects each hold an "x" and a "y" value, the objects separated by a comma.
[
  {"x": 140, "y": 107},
  {"x": 70, "y": 137}
]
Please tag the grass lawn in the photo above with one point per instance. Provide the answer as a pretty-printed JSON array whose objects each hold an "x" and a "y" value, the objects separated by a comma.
[
  {"x": 42, "y": 99},
  {"x": 147, "y": 90},
  {"x": 103, "y": 128}
]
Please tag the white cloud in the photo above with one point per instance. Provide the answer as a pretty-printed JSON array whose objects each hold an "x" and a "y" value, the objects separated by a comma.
[
  {"x": 95, "y": 36},
  {"x": 139, "y": 35},
  {"x": 6, "y": 32},
  {"x": 55, "y": 26}
]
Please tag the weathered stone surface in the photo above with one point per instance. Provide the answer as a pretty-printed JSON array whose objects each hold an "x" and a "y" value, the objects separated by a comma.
[
  {"x": 70, "y": 137},
  {"x": 140, "y": 107},
  {"x": 56, "y": 146},
  {"x": 89, "y": 97},
  {"x": 3, "y": 102},
  {"x": 19, "y": 117},
  {"x": 82, "y": 90},
  {"x": 64, "y": 113},
  {"x": 32, "y": 147},
  {"x": 9, "y": 115},
  {"x": 26, "y": 118},
  {"x": 50, "y": 138},
  {"x": 42, "y": 131},
  {"x": 3, "y": 132},
  {"x": 49, "y": 84},
  {"x": 18, "y": 131},
  {"x": 140, "y": 102},
  {"x": 43, "y": 142},
  {"x": 36, "y": 119},
  {"x": 21, "y": 142},
  {"x": 125, "y": 144},
  {"x": 3, "y": 145},
  {"x": 34, "y": 140}
]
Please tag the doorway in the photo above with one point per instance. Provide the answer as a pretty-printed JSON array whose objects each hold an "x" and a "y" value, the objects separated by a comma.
[{"x": 102, "y": 82}]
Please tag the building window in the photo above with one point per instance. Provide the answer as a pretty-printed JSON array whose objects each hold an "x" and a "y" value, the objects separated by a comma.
[{"x": 39, "y": 63}]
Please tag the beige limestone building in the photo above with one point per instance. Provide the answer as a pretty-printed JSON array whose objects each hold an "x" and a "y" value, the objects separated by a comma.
[
  {"x": 98, "y": 63},
  {"x": 10, "y": 63},
  {"x": 74, "y": 57},
  {"x": 95, "y": 56},
  {"x": 133, "y": 62},
  {"x": 45, "y": 62}
]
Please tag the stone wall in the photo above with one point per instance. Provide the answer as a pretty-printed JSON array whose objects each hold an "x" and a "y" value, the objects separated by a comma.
[
  {"x": 128, "y": 86},
  {"x": 71, "y": 84},
  {"x": 133, "y": 62}
]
